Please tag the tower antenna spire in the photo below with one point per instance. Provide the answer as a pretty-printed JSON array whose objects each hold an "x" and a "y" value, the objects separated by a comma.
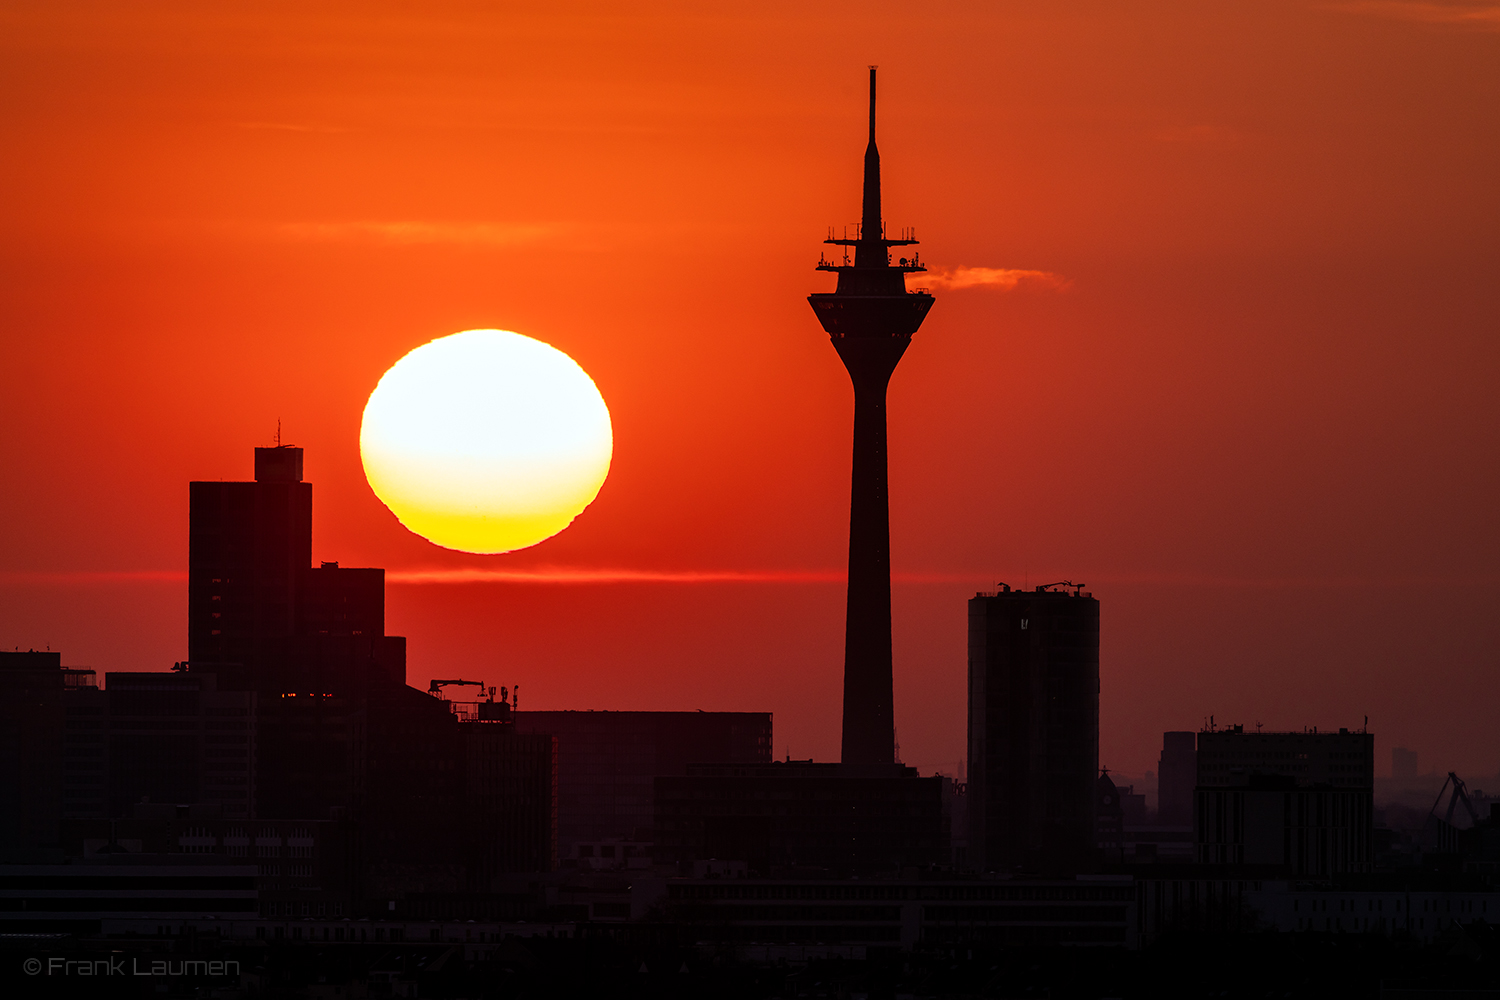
[
  {"x": 870, "y": 226},
  {"x": 870, "y": 319}
]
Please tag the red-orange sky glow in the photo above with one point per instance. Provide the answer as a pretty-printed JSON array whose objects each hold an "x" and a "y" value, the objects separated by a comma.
[{"x": 1216, "y": 334}]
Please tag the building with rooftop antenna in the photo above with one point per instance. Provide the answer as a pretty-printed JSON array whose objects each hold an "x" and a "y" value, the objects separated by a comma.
[
  {"x": 867, "y": 813},
  {"x": 870, "y": 318}
]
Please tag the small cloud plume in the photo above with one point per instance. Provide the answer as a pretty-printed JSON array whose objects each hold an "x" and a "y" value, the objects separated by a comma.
[
  {"x": 1002, "y": 279},
  {"x": 1197, "y": 135},
  {"x": 290, "y": 127},
  {"x": 1482, "y": 16},
  {"x": 476, "y": 233}
]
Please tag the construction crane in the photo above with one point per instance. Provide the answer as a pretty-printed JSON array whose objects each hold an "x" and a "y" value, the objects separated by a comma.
[
  {"x": 436, "y": 687},
  {"x": 1460, "y": 794}
]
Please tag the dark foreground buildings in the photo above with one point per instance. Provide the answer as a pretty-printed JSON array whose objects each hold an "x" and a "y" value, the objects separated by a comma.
[
  {"x": 289, "y": 736},
  {"x": 786, "y": 816}
]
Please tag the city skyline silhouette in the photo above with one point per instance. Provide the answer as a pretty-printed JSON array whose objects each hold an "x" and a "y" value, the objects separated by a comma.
[{"x": 1250, "y": 406}]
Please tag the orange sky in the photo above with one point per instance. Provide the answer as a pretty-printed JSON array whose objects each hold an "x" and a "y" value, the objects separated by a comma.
[{"x": 1255, "y": 412}]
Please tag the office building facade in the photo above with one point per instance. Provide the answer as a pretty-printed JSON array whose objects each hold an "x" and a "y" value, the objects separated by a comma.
[
  {"x": 1301, "y": 801},
  {"x": 1033, "y": 729}
]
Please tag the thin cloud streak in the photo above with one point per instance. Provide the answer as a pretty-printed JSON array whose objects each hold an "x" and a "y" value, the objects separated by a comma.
[
  {"x": 1482, "y": 16},
  {"x": 290, "y": 127},
  {"x": 1198, "y": 135},
  {"x": 71, "y": 578},
  {"x": 583, "y": 575},
  {"x": 572, "y": 574},
  {"x": 413, "y": 232},
  {"x": 1002, "y": 279}
]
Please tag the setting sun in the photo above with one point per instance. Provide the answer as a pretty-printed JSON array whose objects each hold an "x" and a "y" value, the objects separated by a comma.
[{"x": 486, "y": 441}]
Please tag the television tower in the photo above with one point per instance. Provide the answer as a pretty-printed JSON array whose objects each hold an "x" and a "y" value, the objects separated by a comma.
[{"x": 870, "y": 319}]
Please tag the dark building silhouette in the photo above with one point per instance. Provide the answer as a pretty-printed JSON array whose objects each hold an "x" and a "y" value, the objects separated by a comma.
[
  {"x": 175, "y": 738},
  {"x": 1301, "y": 801},
  {"x": 1109, "y": 818},
  {"x": 31, "y": 743},
  {"x": 129, "y": 894},
  {"x": 259, "y": 614},
  {"x": 303, "y": 868},
  {"x": 309, "y": 645},
  {"x": 1176, "y": 777},
  {"x": 248, "y": 544},
  {"x": 870, "y": 318},
  {"x": 783, "y": 815},
  {"x": 293, "y": 715},
  {"x": 511, "y": 801},
  {"x": 749, "y": 920},
  {"x": 607, "y": 761},
  {"x": 1033, "y": 728},
  {"x": 85, "y": 790}
]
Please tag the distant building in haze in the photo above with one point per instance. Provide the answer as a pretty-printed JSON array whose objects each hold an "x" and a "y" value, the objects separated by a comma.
[
  {"x": 1302, "y": 801},
  {"x": 1177, "y": 776},
  {"x": 1033, "y": 728},
  {"x": 607, "y": 762},
  {"x": 1403, "y": 764}
]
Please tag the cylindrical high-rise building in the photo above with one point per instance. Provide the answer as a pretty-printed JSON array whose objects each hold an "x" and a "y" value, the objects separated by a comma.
[
  {"x": 1033, "y": 729},
  {"x": 870, "y": 318}
]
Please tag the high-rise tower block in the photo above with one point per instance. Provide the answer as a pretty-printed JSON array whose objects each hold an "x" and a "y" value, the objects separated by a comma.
[{"x": 870, "y": 318}]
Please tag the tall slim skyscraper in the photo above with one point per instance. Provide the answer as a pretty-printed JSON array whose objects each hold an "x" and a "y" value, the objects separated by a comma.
[
  {"x": 870, "y": 318},
  {"x": 248, "y": 544}
]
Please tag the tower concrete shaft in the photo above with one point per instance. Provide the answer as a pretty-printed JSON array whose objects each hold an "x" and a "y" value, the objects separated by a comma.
[{"x": 870, "y": 318}]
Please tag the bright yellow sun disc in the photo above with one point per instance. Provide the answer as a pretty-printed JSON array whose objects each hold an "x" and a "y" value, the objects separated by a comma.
[{"x": 486, "y": 441}]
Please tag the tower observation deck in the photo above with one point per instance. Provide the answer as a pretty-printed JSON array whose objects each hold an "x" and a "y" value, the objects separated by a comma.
[{"x": 870, "y": 318}]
